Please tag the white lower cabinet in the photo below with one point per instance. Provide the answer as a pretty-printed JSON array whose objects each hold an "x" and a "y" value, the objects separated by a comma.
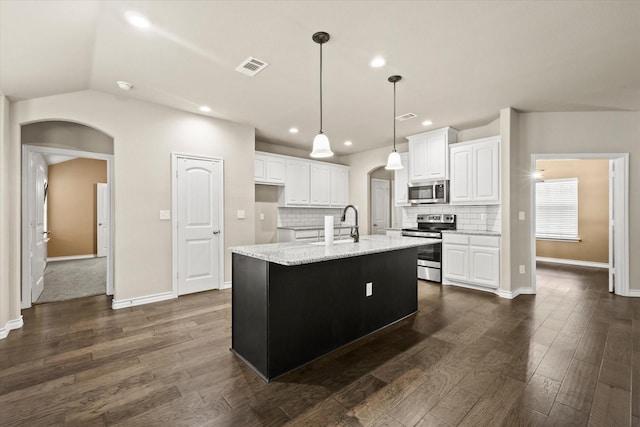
[{"x": 471, "y": 259}]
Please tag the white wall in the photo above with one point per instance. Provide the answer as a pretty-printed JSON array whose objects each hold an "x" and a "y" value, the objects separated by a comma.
[{"x": 144, "y": 137}]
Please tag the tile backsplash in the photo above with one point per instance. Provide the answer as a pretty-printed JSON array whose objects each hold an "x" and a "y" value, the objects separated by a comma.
[
  {"x": 311, "y": 217},
  {"x": 467, "y": 217}
]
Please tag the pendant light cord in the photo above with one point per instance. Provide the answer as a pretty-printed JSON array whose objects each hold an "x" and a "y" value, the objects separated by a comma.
[
  {"x": 394, "y": 116},
  {"x": 321, "y": 87}
]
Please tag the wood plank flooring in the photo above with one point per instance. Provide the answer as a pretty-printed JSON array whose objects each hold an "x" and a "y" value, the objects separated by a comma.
[{"x": 567, "y": 356}]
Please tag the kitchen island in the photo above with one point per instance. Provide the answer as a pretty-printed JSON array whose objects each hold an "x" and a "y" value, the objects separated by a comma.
[{"x": 294, "y": 302}]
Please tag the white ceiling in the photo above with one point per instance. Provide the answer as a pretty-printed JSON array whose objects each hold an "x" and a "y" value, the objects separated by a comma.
[{"x": 461, "y": 61}]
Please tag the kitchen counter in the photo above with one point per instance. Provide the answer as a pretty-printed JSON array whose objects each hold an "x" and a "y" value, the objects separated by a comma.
[
  {"x": 297, "y": 253},
  {"x": 472, "y": 232},
  {"x": 295, "y": 302},
  {"x": 314, "y": 227}
]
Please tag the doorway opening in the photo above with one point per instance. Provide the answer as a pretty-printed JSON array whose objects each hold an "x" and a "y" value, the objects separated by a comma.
[
  {"x": 381, "y": 214},
  {"x": 579, "y": 214},
  {"x": 67, "y": 218}
]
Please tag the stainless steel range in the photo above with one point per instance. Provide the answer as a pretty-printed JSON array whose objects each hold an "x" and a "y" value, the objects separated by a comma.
[{"x": 430, "y": 256}]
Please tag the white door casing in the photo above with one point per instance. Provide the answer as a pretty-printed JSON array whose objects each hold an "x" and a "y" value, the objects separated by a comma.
[
  {"x": 38, "y": 172},
  {"x": 380, "y": 202},
  {"x": 199, "y": 225},
  {"x": 103, "y": 210}
]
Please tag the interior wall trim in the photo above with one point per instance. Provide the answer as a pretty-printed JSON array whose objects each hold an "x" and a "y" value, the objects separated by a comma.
[
  {"x": 634, "y": 293},
  {"x": 226, "y": 285},
  {"x": 148, "y": 299},
  {"x": 573, "y": 262},
  {"x": 11, "y": 325}
]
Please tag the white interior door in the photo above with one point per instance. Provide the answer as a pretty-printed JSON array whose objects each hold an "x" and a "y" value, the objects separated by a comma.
[
  {"x": 199, "y": 228},
  {"x": 39, "y": 235},
  {"x": 380, "y": 198},
  {"x": 103, "y": 209}
]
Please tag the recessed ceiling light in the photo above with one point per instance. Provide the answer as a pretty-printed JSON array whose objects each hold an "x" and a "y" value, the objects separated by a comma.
[
  {"x": 137, "y": 20},
  {"x": 348, "y": 143},
  {"x": 293, "y": 130},
  {"x": 427, "y": 123},
  {"x": 377, "y": 62},
  {"x": 205, "y": 108},
  {"x": 124, "y": 85}
]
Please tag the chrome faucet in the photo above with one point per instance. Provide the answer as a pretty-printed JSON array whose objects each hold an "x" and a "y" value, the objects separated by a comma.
[{"x": 354, "y": 230}]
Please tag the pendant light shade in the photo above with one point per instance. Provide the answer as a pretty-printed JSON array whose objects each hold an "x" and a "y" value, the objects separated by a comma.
[
  {"x": 394, "y": 162},
  {"x": 321, "y": 146}
]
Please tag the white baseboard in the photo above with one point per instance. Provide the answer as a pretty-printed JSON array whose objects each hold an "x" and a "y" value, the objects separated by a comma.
[
  {"x": 71, "y": 258},
  {"x": 11, "y": 325},
  {"x": 500, "y": 292},
  {"x": 226, "y": 285},
  {"x": 634, "y": 293},
  {"x": 132, "y": 302},
  {"x": 573, "y": 262}
]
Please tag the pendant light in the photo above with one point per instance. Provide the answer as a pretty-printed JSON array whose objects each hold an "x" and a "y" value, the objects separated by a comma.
[
  {"x": 394, "y": 162},
  {"x": 321, "y": 147}
]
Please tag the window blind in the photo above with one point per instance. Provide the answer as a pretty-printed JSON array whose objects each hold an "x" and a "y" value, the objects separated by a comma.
[{"x": 557, "y": 209}]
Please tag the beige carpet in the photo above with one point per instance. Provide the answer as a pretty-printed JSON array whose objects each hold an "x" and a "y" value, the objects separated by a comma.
[{"x": 65, "y": 280}]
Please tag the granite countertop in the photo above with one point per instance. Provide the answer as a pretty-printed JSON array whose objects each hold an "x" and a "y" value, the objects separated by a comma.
[
  {"x": 297, "y": 253},
  {"x": 473, "y": 232},
  {"x": 314, "y": 227}
]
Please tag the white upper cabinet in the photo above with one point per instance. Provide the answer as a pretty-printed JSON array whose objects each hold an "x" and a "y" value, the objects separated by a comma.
[
  {"x": 296, "y": 187},
  {"x": 270, "y": 169},
  {"x": 429, "y": 154},
  {"x": 339, "y": 186},
  {"x": 475, "y": 172},
  {"x": 320, "y": 184},
  {"x": 401, "y": 181}
]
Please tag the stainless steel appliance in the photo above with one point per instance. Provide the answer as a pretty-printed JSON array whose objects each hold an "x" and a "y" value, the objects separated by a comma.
[
  {"x": 429, "y": 192},
  {"x": 430, "y": 256}
]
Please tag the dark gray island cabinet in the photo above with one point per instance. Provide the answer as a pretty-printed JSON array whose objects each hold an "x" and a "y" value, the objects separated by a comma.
[{"x": 294, "y": 302}]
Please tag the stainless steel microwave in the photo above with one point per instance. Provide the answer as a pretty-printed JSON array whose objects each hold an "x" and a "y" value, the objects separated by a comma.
[{"x": 429, "y": 192}]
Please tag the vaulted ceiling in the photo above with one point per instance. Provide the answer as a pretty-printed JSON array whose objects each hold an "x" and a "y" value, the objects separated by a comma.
[{"x": 461, "y": 61}]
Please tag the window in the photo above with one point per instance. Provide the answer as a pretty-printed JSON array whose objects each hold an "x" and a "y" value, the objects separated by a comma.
[{"x": 557, "y": 209}]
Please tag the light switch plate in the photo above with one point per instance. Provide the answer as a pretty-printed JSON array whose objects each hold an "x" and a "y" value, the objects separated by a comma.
[
  {"x": 369, "y": 289},
  {"x": 261, "y": 217},
  {"x": 521, "y": 215},
  {"x": 241, "y": 214},
  {"x": 165, "y": 215}
]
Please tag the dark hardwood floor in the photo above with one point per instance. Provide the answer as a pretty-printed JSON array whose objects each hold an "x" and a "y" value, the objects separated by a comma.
[{"x": 568, "y": 356}]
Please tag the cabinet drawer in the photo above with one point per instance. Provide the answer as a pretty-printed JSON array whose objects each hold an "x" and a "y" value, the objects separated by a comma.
[
  {"x": 488, "y": 241},
  {"x": 458, "y": 239}
]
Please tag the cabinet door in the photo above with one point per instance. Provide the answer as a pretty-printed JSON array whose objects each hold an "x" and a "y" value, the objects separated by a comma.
[
  {"x": 418, "y": 158},
  {"x": 437, "y": 157},
  {"x": 455, "y": 262},
  {"x": 260, "y": 174},
  {"x": 339, "y": 186},
  {"x": 484, "y": 266},
  {"x": 401, "y": 181},
  {"x": 461, "y": 187},
  {"x": 297, "y": 183},
  {"x": 276, "y": 170},
  {"x": 486, "y": 172},
  {"x": 320, "y": 192}
]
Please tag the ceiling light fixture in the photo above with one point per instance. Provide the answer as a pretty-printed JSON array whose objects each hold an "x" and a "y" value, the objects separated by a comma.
[
  {"x": 377, "y": 62},
  {"x": 138, "y": 20},
  {"x": 124, "y": 85},
  {"x": 205, "y": 108},
  {"x": 394, "y": 162},
  {"x": 348, "y": 143},
  {"x": 427, "y": 123},
  {"x": 321, "y": 146},
  {"x": 293, "y": 130}
]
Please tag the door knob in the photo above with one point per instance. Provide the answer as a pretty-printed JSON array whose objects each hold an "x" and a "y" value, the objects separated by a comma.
[{"x": 216, "y": 231}]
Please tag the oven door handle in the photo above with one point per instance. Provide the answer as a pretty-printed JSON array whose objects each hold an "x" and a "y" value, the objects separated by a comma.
[{"x": 432, "y": 264}]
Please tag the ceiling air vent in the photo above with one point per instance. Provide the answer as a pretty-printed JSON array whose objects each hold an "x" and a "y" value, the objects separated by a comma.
[
  {"x": 252, "y": 66},
  {"x": 406, "y": 116}
]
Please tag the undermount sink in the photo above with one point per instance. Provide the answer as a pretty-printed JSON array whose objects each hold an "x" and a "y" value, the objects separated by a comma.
[{"x": 335, "y": 242}]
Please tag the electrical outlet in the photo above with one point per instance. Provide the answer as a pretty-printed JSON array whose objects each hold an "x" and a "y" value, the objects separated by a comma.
[
  {"x": 241, "y": 214},
  {"x": 369, "y": 289},
  {"x": 165, "y": 215},
  {"x": 522, "y": 269}
]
